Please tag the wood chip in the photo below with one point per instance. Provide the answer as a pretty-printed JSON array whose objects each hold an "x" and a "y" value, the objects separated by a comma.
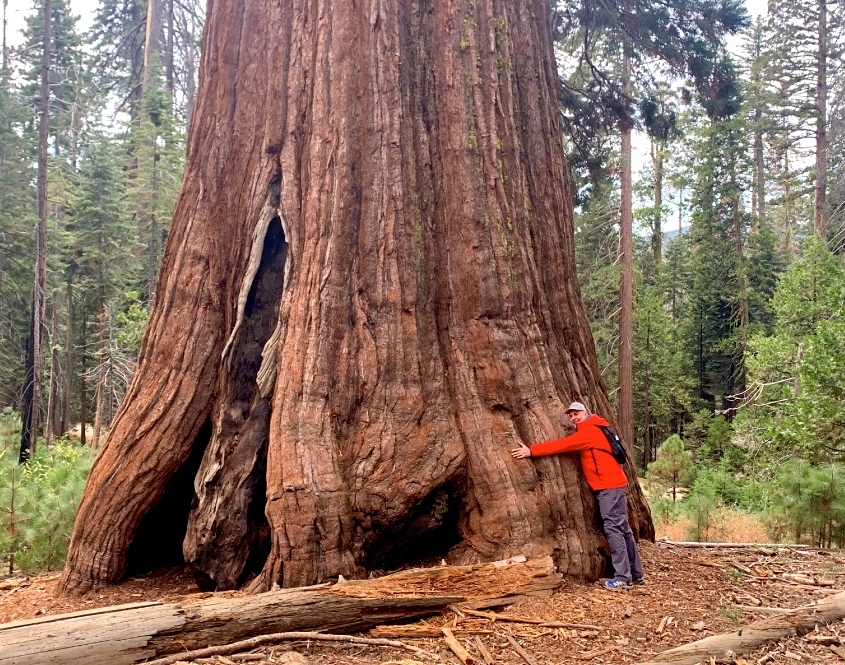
[
  {"x": 805, "y": 579},
  {"x": 600, "y": 652},
  {"x": 522, "y": 652},
  {"x": 839, "y": 651},
  {"x": 662, "y": 625},
  {"x": 824, "y": 639},
  {"x": 456, "y": 647},
  {"x": 456, "y": 610},
  {"x": 709, "y": 564},
  {"x": 485, "y": 654}
]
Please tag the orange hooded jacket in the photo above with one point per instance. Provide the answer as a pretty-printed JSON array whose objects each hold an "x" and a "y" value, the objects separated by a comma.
[{"x": 601, "y": 469}]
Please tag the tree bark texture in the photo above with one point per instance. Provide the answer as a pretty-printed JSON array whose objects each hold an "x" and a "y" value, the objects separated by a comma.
[{"x": 368, "y": 297}]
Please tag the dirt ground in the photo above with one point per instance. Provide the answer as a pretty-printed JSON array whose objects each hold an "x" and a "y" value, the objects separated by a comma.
[{"x": 689, "y": 593}]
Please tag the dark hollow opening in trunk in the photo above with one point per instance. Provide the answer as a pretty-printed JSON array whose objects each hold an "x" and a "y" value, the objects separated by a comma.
[
  {"x": 158, "y": 542},
  {"x": 424, "y": 537},
  {"x": 234, "y": 534},
  {"x": 260, "y": 316}
]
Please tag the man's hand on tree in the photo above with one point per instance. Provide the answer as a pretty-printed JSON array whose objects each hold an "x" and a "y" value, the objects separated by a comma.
[{"x": 521, "y": 452}]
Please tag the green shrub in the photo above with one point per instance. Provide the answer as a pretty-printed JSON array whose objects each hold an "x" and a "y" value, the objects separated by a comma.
[
  {"x": 664, "y": 510},
  {"x": 700, "y": 508},
  {"x": 732, "y": 489},
  {"x": 38, "y": 500},
  {"x": 807, "y": 504},
  {"x": 673, "y": 467}
]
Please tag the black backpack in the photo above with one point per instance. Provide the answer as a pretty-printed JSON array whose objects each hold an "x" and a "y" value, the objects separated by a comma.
[{"x": 617, "y": 449}]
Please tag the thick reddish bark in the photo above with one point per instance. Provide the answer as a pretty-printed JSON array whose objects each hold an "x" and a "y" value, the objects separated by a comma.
[{"x": 369, "y": 288}]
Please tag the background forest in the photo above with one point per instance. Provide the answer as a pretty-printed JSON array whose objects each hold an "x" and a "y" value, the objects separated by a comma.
[{"x": 732, "y": 238}]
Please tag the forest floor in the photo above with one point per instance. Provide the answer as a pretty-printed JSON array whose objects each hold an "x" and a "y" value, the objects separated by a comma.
[{"x": 689, "y": 593}]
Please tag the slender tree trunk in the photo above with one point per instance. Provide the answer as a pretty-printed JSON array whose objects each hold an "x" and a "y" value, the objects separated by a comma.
[
  {"x": 29, "y": 434},
  {"x": 741, "y": 280},
  {"x": 657, "y": 158},
  {"x": 153, "y": 40},
  {"x": 759, "y": 191},
  {"x": 83, "y": 383},
  {"x": 26, "y": 448},
  {"x": 626, "y": 290},
  {"x": 190, "y": 86},
  {"x": 53, "y": 410},
  {"x": 137, "y": 13},
  {"x": 68, "y": 389},
  {"x": 5, "y": 47},
  {"x": 169, "y": 76},
  {"x": 154, "y": 241},
  {"x": 647, "y": 439},
  {"x": 100, "y": 399},
  {"x": 367, "y": 298},
  {"x": 680, "y": 212},
  {"x": 820, "y": 202}
]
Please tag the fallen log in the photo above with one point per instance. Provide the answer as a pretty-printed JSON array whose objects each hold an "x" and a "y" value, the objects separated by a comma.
[
  {"x": 695, "y": 543},
  {"x": 128, "y": 634},
  {"x": 754, "y": 635}
]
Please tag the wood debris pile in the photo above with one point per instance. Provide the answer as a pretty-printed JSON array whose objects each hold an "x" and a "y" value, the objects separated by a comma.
[{"x": 480, "y": 586}]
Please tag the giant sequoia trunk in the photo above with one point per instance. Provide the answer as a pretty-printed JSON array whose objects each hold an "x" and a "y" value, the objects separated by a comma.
[{"x": 368, "y": 297}]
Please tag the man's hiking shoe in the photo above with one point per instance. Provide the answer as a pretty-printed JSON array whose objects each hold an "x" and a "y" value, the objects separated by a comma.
[
  {"x": 618, "y": 585},
  {"x": 639, "y": 580}
]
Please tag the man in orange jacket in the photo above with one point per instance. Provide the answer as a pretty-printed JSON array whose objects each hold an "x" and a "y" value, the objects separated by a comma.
[{"x": 607, "y": 479}]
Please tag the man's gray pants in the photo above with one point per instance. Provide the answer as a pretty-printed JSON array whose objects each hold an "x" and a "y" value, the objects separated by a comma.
[{"x": 613, "y": 505}]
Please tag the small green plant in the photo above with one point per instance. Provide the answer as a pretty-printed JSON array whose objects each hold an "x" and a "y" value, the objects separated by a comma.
[
  {"x": 673, "y": 467},
  {"x": 732, "y": 614},
  {"x": 736, "y": 575},
  {"x": 700, "y": 508}
]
